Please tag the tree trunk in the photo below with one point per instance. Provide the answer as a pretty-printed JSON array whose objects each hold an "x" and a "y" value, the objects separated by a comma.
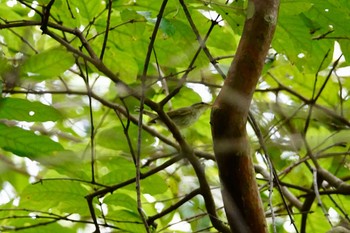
[{"x": 229, "y": 117}]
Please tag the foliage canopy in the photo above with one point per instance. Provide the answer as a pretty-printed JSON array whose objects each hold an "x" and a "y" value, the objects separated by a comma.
[{"x": 72, "y": 146}]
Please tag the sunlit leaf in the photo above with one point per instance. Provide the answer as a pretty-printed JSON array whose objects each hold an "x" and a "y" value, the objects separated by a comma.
[
  {"x": 129, "y": 221},
  {"x": 47, "y": 64},
  {"x": 25, "y": 110},
  {"x": 112, "y": 138},
  {"x": 88, "y": 9},
  {"x": 120, "y": 200},
  {"x": 26, "y": 143},
  {"x": 154, "y": 184},
  {"x": 62, "y": 196}
]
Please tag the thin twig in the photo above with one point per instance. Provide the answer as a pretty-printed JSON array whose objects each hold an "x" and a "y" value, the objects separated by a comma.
[
  {"x": 45, "y": 16},
  {"x": 273, "y": 174},
  {"x": 143, "y": 91},
  {"x": 190, "y": 66},
  {"x": 108, "y": 22},
  {"x": 171, "y": 208},
  {"x": 201, "y": 41},
  {"x": 317, "y": 193}
]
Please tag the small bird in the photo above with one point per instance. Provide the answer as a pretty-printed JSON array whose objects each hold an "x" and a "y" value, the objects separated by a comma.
[{"x": 182, "y": 117}]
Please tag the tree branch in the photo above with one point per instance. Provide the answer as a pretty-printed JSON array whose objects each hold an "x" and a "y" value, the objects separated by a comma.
[{"x": 229, "y": 117}]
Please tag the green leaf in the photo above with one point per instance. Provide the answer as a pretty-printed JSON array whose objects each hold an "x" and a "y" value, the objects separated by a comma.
[
  {"x": 13, "y": 41},
  {"x": 297, "y": 6},
  {"x": 127, "y": 70},
  {"x": 128, "y": 221},
  {"x": 294, "y": 39},
  {"x": 128, "y": 15},
  {"x": 88, "y": 9},
  {"x": 47, "y": 64},
  {"x": 154, "y": 184},
  {"x": 317, "y": 137},
  {"x": 65, "y": 163},
  {"x": 121, "y": 200},
  {"x": 117, "y": 176},
  {"x": 112, "y": 138},
  {"x": 313, "y": 26},
  {"x": 3, "y": 65},
  {"x": 345, "y": 48},
  {"x": 188, "y": 96},
  {"x": 59, "y": 195},
  {"x": 167, "y": 27},
  {"x": 25, "y": 110},
  {"x": 16, "y": 12},
  {"x": 26, "y": 143},
  {"x": 29, "y": 220},
  {"x": 69, "y": 16},
  {"x": 233, "y": 14},
  {"x": 43, "y": 2}
]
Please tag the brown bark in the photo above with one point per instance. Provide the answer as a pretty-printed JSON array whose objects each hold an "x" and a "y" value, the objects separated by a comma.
[{"x": 229, "y": 116}]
